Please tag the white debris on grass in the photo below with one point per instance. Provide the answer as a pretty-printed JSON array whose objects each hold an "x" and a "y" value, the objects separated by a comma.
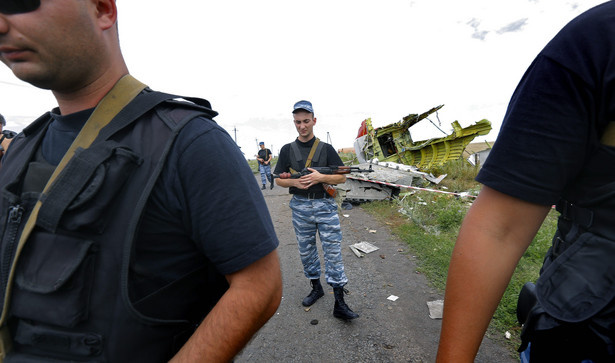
[{"x": 393, "y": 298}]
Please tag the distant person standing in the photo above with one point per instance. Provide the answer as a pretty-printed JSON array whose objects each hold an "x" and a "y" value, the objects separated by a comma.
[
  {"x": 313, "y": 210},
  {"x": 3, "y": 138},
  {"x": 264, "y": 165},
  {"x": 6, "y": 136}
]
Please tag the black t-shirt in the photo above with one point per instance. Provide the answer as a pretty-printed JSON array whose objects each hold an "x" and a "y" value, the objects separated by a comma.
[
  {"x": 283, "y": 164},
  {"x": 264, "y": 154},
  {"x": 558, "y": 112},
  {"x": 205, "y": 210},
  {"x": 61, "y": 134}
]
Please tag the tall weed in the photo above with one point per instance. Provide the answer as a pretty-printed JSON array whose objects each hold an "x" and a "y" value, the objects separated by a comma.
[{"x": 460, "y": 176}]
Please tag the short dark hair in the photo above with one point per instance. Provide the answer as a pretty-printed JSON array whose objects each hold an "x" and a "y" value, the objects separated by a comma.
[{"x": 2, "y": 120}]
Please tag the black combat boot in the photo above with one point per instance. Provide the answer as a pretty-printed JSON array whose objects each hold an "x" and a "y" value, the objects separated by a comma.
[
  {"x": 271, "y": 185},
  {"x": 341, "y": 310},
  {"x": 316, "y": 293},
  {"x": 264, "y": 187}
]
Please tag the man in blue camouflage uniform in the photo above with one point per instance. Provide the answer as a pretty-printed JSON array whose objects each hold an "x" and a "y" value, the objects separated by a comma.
[
  {"x": 314, "y": 210},
  {"x": 264, "y": 165}
]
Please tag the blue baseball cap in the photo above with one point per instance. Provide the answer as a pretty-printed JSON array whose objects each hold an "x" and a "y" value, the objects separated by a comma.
[
  {"x": 304, "y": 105},
  {"x": 261, "y": 143}
]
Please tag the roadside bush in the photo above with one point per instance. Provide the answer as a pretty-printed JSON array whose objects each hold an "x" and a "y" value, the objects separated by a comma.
[{"x": 451, "y": 218}]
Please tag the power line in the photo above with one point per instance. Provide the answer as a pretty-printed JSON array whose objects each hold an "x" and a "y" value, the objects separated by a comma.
[{"x": 15, "y": 84}]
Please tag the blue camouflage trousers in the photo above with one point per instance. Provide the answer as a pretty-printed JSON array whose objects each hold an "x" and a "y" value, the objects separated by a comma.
[
  {"x": 319, "y": 215},
  {"x": 265, "y": 173}
]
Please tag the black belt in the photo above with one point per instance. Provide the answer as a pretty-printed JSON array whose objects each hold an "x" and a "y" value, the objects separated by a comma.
[{"x": 317, "y": 195}]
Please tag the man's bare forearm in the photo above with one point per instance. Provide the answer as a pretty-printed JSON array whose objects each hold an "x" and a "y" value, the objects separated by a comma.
[
  {"x": 253, "y": 297},
  {"x": 492, "y": 239}
]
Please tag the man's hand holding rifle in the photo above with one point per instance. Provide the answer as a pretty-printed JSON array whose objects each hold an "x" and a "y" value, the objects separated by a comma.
[{"x": 314, "y": 175}]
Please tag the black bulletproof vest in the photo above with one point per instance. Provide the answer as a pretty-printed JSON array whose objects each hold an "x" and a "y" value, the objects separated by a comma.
[
  {"x": 576, "y": 287},
  {"x": 298, "y": 157},
  {"x": 70, "y": 299}
]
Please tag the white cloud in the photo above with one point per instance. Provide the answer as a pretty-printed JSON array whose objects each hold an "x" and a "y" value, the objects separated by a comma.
[{"x": 352, "y": 58}]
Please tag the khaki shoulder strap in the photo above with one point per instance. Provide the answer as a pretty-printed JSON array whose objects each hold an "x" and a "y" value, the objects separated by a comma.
[
  {"x": 308, "y": 162},
  {"x": 608, "y": 136},
  {"x": 124, "y": 91}
]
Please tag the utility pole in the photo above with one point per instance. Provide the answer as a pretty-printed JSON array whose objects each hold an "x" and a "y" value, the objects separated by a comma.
[
  {"x": 329, "y": 139},
  {"x": 235, "y": 131}
]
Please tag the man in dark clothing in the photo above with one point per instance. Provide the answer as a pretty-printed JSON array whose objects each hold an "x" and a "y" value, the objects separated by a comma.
[
  {"x": 6, "y": 136},
  {"x": 313, "y": 210},
  {"x": 556, "y": 147},
  {"x": 128, "y": 248},
  {"x": 264, "y": 165}
]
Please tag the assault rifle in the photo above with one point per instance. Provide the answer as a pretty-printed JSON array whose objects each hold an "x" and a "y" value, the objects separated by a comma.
[{"x": 325, "y": 170}]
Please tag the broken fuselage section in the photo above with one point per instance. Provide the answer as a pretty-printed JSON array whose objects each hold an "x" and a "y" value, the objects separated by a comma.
[
  {"x": 393, "y": 142},
  {"x": 398, "y": 161}
]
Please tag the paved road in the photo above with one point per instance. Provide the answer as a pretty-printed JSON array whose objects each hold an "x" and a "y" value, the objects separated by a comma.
[{"x": 387, "y": 331}]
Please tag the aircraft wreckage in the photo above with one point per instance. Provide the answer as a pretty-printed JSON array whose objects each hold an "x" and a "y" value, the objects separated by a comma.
[{"x": 397, "y": 160}]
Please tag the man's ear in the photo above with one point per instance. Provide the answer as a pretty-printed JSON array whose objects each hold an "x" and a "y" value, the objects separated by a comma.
[
  {"x": 106, "y": 12},
  {"x": 314, "y": 120}
]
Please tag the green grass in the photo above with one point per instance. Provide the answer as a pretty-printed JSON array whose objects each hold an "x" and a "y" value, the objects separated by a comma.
[
  {"x": 459, "y": 176},
  {"x": 349, "y": 158},
  {"x": 429, "y": 223}
]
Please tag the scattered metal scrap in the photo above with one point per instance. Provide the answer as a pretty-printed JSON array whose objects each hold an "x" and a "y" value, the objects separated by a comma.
[
  {"x": 435, "y": 309},
  {"x": 362, "y": 248},
  {"x": 384, "y": 182}
]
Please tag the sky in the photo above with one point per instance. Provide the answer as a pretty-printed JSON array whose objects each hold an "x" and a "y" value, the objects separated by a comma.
[{"x": 353, "y": 59}]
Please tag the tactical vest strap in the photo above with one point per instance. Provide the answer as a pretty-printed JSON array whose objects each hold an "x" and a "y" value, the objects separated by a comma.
[
  {"x": 143, "y": 104},
  {"x": 608, "y": 136},
  {"x": 295, "y": 158},
  {"x": 572, "y": 212}
]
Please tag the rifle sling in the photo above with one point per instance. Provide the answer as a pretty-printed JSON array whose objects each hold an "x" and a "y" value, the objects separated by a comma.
[{"x": 308, "y": 162}]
